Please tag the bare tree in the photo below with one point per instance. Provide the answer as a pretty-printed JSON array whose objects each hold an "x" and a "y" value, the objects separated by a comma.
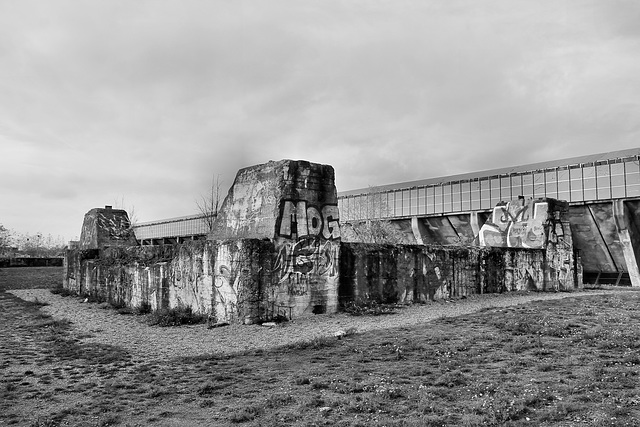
[
  {"x": 131, "y": 211},
  {"x": 209, "y": 204},
  {"x": 367, "y": 221},
  {"x": 127, "y": 233}
]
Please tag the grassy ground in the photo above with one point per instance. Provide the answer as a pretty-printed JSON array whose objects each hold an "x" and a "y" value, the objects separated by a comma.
[
  {"x": 30, "y": 277},
  {"x": 568, "y": 362}
]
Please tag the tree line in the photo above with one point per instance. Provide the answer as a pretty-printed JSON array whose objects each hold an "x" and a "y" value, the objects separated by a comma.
[{"x": 13, "y": 244}]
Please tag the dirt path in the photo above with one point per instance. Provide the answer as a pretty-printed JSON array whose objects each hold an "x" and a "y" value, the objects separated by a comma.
[{"x": 104, "y": 326}]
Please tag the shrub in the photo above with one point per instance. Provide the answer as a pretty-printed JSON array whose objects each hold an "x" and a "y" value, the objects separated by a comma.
[
  {"x": 60, "y": 290},
  {"x": 369, "y": 308},
  {"x": 176, "y": 317},
  {"x": 144, "y": 308}
]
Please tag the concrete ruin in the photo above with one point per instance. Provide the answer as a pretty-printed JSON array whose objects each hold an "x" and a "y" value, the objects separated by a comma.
[
  {"x": 106, "y": 227},
  {"x": 276, "y": 251}
]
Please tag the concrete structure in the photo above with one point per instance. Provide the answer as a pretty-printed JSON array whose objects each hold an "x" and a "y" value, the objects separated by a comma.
[
  {"x": 104, "y": 227},
  {"x": 294, "y": 204},
  {"x": 172, "y": 230},
  {"x": 602, "y": 191},
  {"x": 282, "y": 212},
  {"x": 275, "y": 251}
]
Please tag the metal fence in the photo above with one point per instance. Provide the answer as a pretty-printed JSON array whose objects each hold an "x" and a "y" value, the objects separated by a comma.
[{"x": 592, "y": 181}]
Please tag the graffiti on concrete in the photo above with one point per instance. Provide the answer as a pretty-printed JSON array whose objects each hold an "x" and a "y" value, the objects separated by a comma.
[
  {"x": 560, "y": 265},
  {"x": 516, "y": 224},
  {"x": 429, "y": 279},
  {"x": 232, "y": 287},
  {"x": 105, "y": 227},
  {"x": 296, "y": 261},
  {"x": 298, "y": 219},
  {"x": 307, "y": 251},
  {"x": 525, "y": 275}
]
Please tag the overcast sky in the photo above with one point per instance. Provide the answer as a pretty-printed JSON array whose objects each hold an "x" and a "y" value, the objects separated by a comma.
[{"x": 144, "y": 101}]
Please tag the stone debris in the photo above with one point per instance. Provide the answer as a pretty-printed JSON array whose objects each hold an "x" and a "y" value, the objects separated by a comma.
[{"x": 339, "y": 334}]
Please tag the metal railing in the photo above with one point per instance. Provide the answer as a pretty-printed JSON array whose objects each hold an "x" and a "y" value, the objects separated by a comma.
[
  {"x": 615, "y": 178},
  {"x": 186, "y": 226}
]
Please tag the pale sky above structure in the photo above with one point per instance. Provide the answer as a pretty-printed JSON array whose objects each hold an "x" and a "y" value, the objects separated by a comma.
[{"x": 144, "y": 101}]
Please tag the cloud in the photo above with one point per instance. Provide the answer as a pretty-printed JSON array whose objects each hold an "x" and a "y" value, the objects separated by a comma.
[{"x": 148, "y": 100}]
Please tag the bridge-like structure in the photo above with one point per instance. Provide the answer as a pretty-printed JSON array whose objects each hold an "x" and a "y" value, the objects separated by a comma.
[
  {"x": 603, "y": 191},
  {"x": 172, "y": 230}
]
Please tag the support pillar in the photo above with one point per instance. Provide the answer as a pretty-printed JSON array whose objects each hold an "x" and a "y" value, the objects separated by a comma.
[
  {"x": 417, "y": 227},
  {"x": 621, "y": 216},
  {"x": 475, "y": 224}
]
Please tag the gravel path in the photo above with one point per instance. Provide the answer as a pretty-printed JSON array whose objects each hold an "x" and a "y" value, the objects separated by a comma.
[{"x": 105, "y": 326}]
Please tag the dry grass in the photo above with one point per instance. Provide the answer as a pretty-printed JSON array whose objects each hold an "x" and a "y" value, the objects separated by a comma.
[{"x": 574, "y": 361}]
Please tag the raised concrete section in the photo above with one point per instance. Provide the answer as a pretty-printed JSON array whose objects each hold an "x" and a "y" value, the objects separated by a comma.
[
  {"x": 536, "y": 224},
  {"x": 294, "y": 204},
  {"x": 104, "y": 227},
  {"x": 287, "y": 198}
]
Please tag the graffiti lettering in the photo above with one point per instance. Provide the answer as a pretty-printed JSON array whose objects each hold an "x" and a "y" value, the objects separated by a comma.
[
  {"x": 513, "y": 225},
  {"x": 298, "y": 220},
  {"x": 306, "y": 256},
  {"x": 298, "y": 284}
]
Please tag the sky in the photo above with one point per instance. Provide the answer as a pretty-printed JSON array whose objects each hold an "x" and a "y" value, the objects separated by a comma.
[{"x": 138, "y": 104}]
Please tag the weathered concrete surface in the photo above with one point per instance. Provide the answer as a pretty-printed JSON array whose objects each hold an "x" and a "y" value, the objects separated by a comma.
[
  {"x": 537, "y": 224},
  {"x": 227, "y": 280},
  {"x": 276, "y": 250},
  {"x": 287, "y": 198},
  {"x": 627, "y": 231},
  {"x": 607, "y": 237},
  {"x": 249, "y": 280},
  {"x": 518, "y": 224},
  {"x": 441, "y": 231},
  {"x": 103, "y": 227},
  {"x": 406, "y": 274},
  {"x": 295, "y": 204},
  {"x": 234, "y": 281}
]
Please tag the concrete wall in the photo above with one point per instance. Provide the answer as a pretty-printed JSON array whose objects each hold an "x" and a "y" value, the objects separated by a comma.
[
  {"x": 412, "y": 273},
  {"x": 251, "y": 280},
  {"x": 236, "y": 281}
]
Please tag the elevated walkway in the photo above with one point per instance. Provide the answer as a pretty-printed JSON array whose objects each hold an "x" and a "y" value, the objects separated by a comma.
[{"x": 603, "y": 191}]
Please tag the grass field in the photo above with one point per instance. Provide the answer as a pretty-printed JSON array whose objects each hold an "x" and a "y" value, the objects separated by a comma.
[
  {"x": 30, "y": 277},
  {"x": 568, "y": 362}
]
